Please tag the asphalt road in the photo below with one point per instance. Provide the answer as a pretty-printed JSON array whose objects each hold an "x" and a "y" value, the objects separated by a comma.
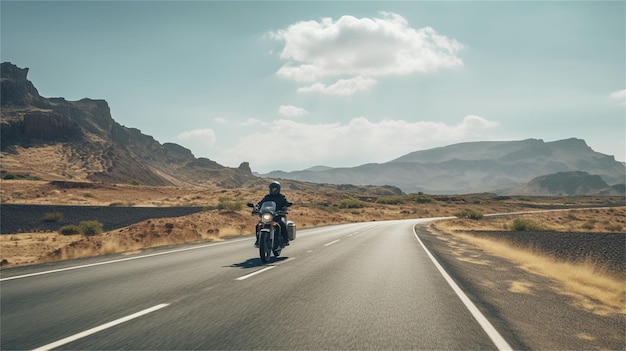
[{"x": 365, "y": 286}]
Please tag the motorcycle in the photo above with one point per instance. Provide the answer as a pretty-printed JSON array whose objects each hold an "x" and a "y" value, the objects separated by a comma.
[{"x": 268, "y": 230}]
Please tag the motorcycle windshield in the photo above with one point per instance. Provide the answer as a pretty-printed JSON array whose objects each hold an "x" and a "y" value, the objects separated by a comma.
[{"x": 268, "y": 206}]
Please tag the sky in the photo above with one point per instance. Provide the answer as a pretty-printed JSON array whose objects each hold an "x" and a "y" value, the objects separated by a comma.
[{"x": 288, "y": 85}]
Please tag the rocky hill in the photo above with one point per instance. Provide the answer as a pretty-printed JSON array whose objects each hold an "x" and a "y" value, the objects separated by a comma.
[
  {"x": 568, "y": 184},
  {"x": 52, "y": 138},
  {"x": 494, "y": 166}
]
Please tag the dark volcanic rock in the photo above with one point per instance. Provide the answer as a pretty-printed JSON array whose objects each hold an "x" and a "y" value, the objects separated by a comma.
[
  {"x": 30, "y": 218},
  {"x": 15, "y": 89}
]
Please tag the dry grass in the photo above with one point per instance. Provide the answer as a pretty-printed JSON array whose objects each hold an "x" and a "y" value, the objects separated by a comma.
[
  {"x": 589, "y": 285},
  {"x": 601, "y": 220}
]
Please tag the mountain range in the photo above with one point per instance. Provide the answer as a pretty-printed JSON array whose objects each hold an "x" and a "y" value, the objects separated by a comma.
[
  {"x": 487, "y": 166},
  {"x": 56, "y": 139}
]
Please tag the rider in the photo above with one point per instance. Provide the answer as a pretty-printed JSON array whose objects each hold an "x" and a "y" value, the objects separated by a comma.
[{"x": 281, "y": 202}]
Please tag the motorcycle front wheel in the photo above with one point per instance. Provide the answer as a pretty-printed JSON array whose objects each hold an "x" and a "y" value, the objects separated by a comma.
[{"x": 265, "y": 246}]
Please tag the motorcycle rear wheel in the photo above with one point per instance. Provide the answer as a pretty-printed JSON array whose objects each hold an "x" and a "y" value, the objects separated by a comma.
[{"x": 265, "y": 247}]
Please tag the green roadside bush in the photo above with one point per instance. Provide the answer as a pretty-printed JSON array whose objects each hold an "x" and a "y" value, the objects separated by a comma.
[
  {"x": 90, "y": 227},
  {"x": 525, "y": 225},
  {"x": 52, "y": 216},
  {"x": 69, "y": 230},
  {"x": 421, "y": 198},
  {"x": 350, "y": 203},
  {"x": 226, "y": 204},
  {"x": 470, "y": 214}
]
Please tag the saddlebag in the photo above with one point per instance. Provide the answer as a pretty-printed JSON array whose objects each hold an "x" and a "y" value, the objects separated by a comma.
[{"x": 291, "y": 230}]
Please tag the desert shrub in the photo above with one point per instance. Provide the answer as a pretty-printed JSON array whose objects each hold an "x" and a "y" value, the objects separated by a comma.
[
  {"x": 69, "y": 229},
  {"x": 350, "y": 203},
  {"x": 90, "y": 227},
  {"x": 390, "y": 200},
  {"x": 590, "y": 224},
  {"x": 470, "y": 214},
  {"x": 132, "y": 182},
  {"x": 421, "y": 198},
  {"x": 226, "y": 204},
  {"x": 11, "y": 176},
  {"x": 525, "y": 225},
  {"x": 52, "y": 216}
]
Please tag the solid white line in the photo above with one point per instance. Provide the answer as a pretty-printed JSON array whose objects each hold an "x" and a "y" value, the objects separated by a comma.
[
  {"x": 493, "y": 334},
  {"x": 119, "y": 260},
  {"x": 255, "y": 273},
  {"x": 99, "y": 328},
  {"x": 332, "y": 242}
]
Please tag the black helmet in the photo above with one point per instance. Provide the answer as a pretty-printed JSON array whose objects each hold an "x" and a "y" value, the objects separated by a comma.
[{"x": 274, "y": 188}]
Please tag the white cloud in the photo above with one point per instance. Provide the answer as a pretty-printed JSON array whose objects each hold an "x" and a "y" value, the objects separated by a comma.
[
  {"x": 619, "y": 95},
  {"x": 220, "y": 120},
  {"x": 361, "y": 47},
  {"x": 358, "y": 142},
  {"x": 198, "y": 137},
  {"x": 342, "y": 87},
  {"x": 291, "y": 111}
]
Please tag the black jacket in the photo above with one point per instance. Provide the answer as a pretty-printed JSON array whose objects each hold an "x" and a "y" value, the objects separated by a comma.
[{"x": 279, "y": 199}]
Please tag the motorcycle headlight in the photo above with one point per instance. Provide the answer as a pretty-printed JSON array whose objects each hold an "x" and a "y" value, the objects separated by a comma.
[{"x": 267, "y": 217}]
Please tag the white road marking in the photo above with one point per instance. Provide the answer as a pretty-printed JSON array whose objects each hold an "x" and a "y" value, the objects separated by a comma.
[
  {"x": 493, "y": 334},
  {"x": 255, "y": 273},
  {"x": 244, "y": 277},
  {"x": 119, "y": 260},
  {"x": 332, "y": 242},
  {"x": 99, "y": 328}
]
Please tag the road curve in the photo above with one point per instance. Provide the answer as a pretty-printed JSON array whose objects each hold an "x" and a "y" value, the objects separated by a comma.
[{"x": 365, "y": 286}]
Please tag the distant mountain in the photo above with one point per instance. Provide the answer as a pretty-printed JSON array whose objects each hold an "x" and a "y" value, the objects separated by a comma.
[
  {"x": 568, "y": 184},
  {"x": 53, "y": 139},
  {"x": 494, "y": 166}
]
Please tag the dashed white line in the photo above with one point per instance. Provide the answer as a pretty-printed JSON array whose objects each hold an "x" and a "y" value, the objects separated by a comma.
[
  {"x": 244, "y": 277},
  {"x": 332, "y": 242},
  {"x": 99, "y": 328}
]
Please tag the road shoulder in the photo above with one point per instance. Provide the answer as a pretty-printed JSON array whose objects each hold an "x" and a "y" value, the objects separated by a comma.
[{"x": 531, "y": 311}]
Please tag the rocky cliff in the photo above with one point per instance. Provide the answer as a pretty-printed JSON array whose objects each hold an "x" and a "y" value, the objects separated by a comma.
[{"x": 53, "y": 138}]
